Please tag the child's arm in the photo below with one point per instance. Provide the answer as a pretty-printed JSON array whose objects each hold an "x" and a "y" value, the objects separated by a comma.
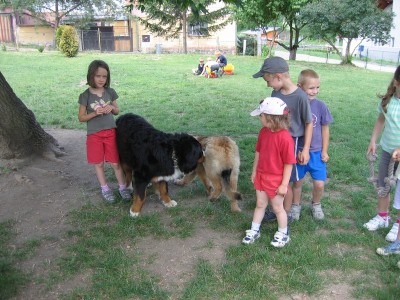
[
  {"x": 115, "y": 108},
  {"x": 304, "y": 156},
  {"x": 287, "y": 171},
  {"x": 325, "y": 143},
  {"x": 255, "y": 163},
  {"x": 83, "y": 116},
  {"x": 380, "y": 122}
]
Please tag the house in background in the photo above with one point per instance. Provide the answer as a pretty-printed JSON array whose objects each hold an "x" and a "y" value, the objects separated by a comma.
[
  {"x": 121, "y": 34},
  {"x": 223, "y": 39},
  {"x": 24, "y": 28}
]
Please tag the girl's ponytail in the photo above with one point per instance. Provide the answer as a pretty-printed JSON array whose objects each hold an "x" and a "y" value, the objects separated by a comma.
[{"x": 390, "y": 90}]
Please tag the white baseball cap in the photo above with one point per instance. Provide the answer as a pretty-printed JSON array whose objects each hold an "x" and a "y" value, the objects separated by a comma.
[{"x": 271, "y": 106}]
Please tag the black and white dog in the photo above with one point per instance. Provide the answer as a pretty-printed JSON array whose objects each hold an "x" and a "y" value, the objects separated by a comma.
[{"x": 150, "y": 155}]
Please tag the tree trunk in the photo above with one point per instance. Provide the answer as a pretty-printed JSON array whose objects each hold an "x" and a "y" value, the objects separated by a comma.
[
  {"x": 184, "y": 31},
  {"x": 20, "y": 134},
  {"x": 347, "y": 58}
]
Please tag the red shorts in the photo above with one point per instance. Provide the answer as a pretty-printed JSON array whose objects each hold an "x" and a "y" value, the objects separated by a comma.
[
  {"x": 267, "y": 183},
  {"x": 102, "y": 146}
]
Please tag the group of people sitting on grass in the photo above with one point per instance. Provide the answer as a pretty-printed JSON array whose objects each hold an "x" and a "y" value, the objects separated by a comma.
[{"x": 211, "y": 67}]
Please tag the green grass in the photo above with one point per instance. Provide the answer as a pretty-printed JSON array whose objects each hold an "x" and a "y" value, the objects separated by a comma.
[{"x": 163, "y": 90}]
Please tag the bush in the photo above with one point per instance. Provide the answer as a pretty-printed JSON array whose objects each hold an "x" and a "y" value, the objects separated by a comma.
[
  {"x": 40, "y": 48},
  {"x": 251, "y": 45},
  {"x": 3, "y": 47},
  {"x": 69, "y": 44},
  {"x": 59, "y": 32}
]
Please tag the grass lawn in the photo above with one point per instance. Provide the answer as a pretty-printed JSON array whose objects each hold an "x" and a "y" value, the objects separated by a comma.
[{"x": 163, "y": 90}]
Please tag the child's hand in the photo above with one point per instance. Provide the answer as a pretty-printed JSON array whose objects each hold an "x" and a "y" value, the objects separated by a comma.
[
  {"x": 371, "y": 148},
  {"x": 253, "y": 176},
  {"x": 303, "y": 157},
  {"x": 396, "y": 155},
  {"x": 108, "y": 108},
  {"x": 282, "y": 190},
  {"x": 324, "y": 156}
]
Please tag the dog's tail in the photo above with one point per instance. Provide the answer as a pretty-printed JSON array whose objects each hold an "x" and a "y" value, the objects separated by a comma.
[{"x": 226, "y": 176}]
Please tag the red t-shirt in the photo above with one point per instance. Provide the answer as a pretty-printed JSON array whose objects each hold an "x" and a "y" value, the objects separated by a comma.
[{"x": 275, "y": 149}]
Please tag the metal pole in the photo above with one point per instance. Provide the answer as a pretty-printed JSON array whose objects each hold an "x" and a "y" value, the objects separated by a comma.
[{"x": 98, "y": 35}]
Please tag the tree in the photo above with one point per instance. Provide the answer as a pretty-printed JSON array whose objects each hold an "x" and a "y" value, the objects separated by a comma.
[
  {"x": 195, "y": 6},
  {"x": 41, "y": 9},
  {"x": 20, "y": 134},
  {"x": 352, "y": 19},
  {"x": 170, "y": 19},
  {"x": 262, "y": 13}
]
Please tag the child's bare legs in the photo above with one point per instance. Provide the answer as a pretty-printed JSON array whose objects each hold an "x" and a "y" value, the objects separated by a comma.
[
  {"x": 296, "y": 206},
  {"x": 281, "y": 216},
  {"x": 318, "y": 191},
  {"x": 101, "y": 177},
  {"x": 281, "y": 237},
  {"x": 119, "y": 174},
  {"x": 287, "y": 203},
  {"x": 261, "y": 205},
  {"x": 259, "y": 211}
]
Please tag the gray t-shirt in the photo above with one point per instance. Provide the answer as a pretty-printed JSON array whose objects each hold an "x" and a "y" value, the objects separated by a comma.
[
  {"x": 299, "y": 109},
  {"x": 90, "y": 100}
]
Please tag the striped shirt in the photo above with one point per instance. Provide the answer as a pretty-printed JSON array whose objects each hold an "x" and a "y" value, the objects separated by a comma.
[{"x": 390, "y": 139}]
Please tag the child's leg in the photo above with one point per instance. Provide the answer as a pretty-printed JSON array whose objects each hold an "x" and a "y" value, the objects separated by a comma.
[
  {"x": 281, "y": 237},
  {"x": 393, "y": 234},
  {"x": 381, "y": 220},
  {"x": 295, "y": 210},
  {"x": 316, "y": 208},
  {"x": 119, "y": 174},
  {"x": 318, "y": 191},
  {"x": 259, "y": 211},
  {"x": 281, "y": 216},
  {"x": 297, "y": 190},
  {"x": 101, "y": 177},
  {"x": 288, "y": 201},
  {"x": 261, "y": 205}
]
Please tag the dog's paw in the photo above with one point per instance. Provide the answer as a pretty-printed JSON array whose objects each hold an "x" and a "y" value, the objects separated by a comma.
[
  {"x": 179, "y": 182},
  {"x": 171, "y": 203},
  {"x": 134, "y": 214}
]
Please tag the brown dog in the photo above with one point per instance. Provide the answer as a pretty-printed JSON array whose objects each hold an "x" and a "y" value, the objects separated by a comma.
[{"x": 220, "y": 169}]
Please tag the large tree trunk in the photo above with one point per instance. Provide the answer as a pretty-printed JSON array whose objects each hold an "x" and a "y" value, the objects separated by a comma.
[{"x": 20, "y": 134}]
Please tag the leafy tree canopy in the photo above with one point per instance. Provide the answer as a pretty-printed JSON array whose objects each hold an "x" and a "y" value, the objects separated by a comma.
[
  {"x": 351, "y": 19},
  {"x": 195, "y": 6},
  {"x": 85, "y": 9}
]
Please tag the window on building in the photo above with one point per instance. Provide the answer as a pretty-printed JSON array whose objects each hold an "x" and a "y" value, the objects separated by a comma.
[{"x": 198, "y": 29}]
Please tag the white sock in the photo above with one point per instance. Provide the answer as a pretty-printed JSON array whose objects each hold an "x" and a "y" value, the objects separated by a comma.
[
  {"x": 255, "y": 226},
  {"x": 283, "y": 230}
]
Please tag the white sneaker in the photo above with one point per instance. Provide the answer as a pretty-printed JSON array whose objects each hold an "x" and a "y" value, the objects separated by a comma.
[
  {"x": 377, "y": 222},
  {"x": 280, "y": 239},
  {"x": 392, "y": 235},
  {"x": 251, "y": 236},
  {"x": 295, "y": 211}
]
